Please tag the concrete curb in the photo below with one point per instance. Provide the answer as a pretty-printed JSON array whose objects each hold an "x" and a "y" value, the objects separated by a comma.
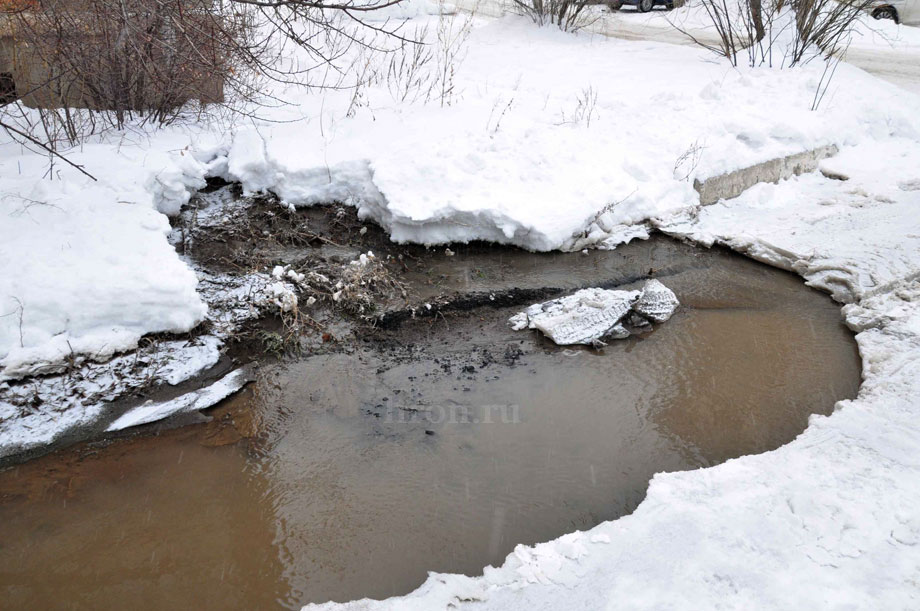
[{"x": 733, "y": 184}]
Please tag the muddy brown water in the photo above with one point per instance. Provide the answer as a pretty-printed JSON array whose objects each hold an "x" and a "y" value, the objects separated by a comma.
[{"x": 434, "y": 446}]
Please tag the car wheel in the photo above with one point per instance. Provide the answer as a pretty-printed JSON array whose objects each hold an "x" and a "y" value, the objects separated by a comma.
[
  {"x": 886, "y": 12},
  {"x": 645, "y": 5}
]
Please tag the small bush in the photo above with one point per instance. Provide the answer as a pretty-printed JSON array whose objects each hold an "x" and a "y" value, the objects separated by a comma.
[
  {"x": 781, "y": 33},
  {"x": 568, "y": 15},
  {"x": 133, "y": 58}
]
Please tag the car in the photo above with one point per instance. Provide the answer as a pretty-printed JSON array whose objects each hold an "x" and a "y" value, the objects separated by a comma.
[
  {"x": 901, "y": 11},
  {"x": 643, "y": 6}
]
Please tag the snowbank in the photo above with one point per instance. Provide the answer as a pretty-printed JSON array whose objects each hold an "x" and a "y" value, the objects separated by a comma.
[
  {"x": 869, "y": 224},
  {"x": 86, "y": 266},
  {"x": 39, "y": 412},
  {"x": 565, "y": 143}
]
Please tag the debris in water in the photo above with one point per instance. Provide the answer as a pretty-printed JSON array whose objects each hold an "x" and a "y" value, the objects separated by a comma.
[{"x": 589, "y": 315}]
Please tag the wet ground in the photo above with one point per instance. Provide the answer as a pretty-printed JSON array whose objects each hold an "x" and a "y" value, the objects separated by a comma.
[{"x": 435, "y": 442}]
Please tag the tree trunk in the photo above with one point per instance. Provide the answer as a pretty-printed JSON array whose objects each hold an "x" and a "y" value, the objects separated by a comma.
[{"x": 757, "y": 18}]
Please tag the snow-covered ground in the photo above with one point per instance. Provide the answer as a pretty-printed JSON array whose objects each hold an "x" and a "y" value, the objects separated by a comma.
[
  {"x": 881, "y": 47},
  {"x": 548, "y": 140},
  {"x": 86, "y": 266},
  {"x": 489, "y": 164}
]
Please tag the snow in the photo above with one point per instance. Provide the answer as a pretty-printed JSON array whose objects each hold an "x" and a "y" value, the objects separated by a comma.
[
  {"x": 488, "y": 166},
  {"x": 37, "y": 411},
  {"x": 196, "y": 400},
  {"x": 86, "y": 266},
  {"x": 590, "y": 315},
  {"x": 581, "y": 318},
  {"x": 869, "y": 224},
  {"x": 363, "y": 259},
  {"x": 196, "y": 359},
  {"x": 406, "y": 9},
  {"x": 657, "y": 303},
  {"x": 548, "y": 141}
]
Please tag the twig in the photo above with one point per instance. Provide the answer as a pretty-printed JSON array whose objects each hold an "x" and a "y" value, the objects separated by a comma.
[{"x": 9, "y": 128}]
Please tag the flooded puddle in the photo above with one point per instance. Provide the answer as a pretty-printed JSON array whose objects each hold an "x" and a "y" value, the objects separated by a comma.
[{"x": 434, "y": 445}]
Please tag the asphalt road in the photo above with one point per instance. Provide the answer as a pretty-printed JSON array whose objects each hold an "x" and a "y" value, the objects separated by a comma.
[{"x": 902, "y": 69}]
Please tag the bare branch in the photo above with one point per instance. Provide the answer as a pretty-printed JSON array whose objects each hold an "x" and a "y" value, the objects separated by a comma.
[{"x": 32, "y": 140}]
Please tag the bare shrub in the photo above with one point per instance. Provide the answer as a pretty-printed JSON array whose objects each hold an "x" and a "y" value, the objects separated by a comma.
[
  {"x": 425, "y": 66},
  {"x": 781, "y": 33},
  {"x": 89, "y": 65},
  {"x": 365, "y": 71},
  {"x": 585, "y": 108},
  {"x": 451, "y": 51},
  {"x": 46, "y": 131},
  {"x": 686, "y": 164},
  {"x": 740, "y": 26},
  {"x": 823, "y": 27},
  {"x": 567, "y": 15},
  {"x": 498, "y": 115},
  {"x": 409, "y": 76},
  {"x": 133, "y": 58}
]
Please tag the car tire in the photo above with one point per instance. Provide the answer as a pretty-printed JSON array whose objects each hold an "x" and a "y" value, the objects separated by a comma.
[
  {"x": 645, "y": 6},
  {"x": 886, "y": 12}
]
